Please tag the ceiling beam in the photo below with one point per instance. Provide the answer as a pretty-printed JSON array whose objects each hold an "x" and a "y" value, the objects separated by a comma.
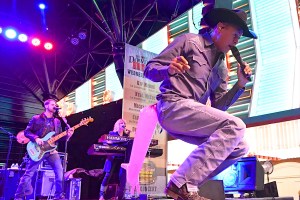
[
  {"x": 138, "y": 26},
  {"x": 94, "y": 22}
]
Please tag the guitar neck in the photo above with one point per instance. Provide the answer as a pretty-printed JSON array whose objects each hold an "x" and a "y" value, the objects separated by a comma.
[{"x": 57, "y": 137}]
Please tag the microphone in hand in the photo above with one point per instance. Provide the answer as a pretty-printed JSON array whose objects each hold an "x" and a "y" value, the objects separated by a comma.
[
  {"x": 127, "y": 131},
  {"x": 236, "y": 54}
]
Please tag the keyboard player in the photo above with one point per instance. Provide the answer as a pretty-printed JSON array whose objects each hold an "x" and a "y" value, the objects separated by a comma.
[{"x": 112, "y": 163}]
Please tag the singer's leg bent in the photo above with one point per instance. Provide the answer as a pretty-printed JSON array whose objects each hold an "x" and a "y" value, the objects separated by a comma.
[{"x": 217, "y": 132}]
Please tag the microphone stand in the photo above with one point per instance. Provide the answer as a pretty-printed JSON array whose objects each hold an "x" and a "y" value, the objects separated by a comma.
[
  {"x": 11, "y": 137},
  {"x": 65, "y": 156}
]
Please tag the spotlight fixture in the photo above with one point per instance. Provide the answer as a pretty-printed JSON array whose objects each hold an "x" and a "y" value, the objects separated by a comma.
[
  {"x": 35, "y": 42},
  {"x": 42, "y": 6},
  {"x": 82, "y": 35},
  {"x": 10, "y": 33},
  {"x": 74, "y": 41},
  {"x": 22, "y": 37},
  {"x": 268, "y": 168},
  {"x": 48, "y": 46}
]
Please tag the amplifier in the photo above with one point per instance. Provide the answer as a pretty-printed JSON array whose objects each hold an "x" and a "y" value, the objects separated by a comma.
[
  {"x": 45, "y": 184},
  {"x": 9, "y": 181},
  {"x": 46, "y": 166},
  {"x": 73, "y": 188}
]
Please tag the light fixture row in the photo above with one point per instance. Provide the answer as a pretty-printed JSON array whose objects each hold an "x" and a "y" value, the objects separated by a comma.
[{"x": 12, "y": 35}]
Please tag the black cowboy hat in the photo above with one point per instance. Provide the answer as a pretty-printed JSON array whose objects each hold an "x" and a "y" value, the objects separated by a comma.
[{"x": 236, "y": 17}]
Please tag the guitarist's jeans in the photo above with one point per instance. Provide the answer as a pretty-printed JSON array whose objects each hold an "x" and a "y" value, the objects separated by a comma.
[{"x": 25, "y": 186}]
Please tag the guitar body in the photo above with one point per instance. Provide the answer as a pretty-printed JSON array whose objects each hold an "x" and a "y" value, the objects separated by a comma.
[{"x": 36, "y": 152}]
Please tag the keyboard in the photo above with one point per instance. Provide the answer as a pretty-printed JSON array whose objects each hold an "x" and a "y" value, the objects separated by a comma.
[
  {"x": 111, "y": 139},
  {"x": 109, "y": 150}
]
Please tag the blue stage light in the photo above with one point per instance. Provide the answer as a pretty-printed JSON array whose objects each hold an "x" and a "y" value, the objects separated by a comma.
[
  {"x": 0, "y": 30},
  {"x": 22, "y": 37},
  {"x": 10, "y": 33},
  {"x": 42, "y": 6}
]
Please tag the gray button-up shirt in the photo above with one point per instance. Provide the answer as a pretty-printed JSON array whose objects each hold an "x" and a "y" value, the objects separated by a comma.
[{"x": 207, "y": 77}]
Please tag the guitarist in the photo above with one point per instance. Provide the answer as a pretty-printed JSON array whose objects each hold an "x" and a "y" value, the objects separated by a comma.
[{"x": 37, "y": 128}]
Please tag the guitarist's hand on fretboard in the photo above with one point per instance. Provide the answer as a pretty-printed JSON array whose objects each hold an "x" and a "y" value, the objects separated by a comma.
[
  {"x": 39, "y": 141},
  {"x": 70, "y": 132}
]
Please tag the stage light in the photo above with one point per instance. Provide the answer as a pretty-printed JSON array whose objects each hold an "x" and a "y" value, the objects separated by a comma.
[
  {"x": 0, "y": 30},
  {"x": 75, "y": 41},
  {"x": 35, "y": 42},
  {"x": 246, "y": 175},
  {"x": 22, "y": 37},
  {"x": 10, "y": 33},
  {"x": 48, "y": 46},
  {"x": 82, "y": 35},
  {"x": 42, "y": 6}
]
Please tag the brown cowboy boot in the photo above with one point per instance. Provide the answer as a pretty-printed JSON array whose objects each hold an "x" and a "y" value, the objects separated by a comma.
[{"x": 181, "y": 193}]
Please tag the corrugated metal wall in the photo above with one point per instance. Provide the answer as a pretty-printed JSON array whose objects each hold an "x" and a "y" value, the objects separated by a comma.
[{"x": 17, "y": 106}]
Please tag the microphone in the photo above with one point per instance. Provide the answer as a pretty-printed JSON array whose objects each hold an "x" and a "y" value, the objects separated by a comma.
[
  {"x": 236, "y": 54},
  {"x": 127, "y": 131},
  {"x": 57, "y": 108}
]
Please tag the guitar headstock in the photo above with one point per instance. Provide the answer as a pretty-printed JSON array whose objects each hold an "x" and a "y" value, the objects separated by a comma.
[{"x": 85, "y": 121}]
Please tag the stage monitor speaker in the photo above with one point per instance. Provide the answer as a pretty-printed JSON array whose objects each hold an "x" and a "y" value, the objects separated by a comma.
[
  {"x": 212, "y": 189},
  {"x": 270, "y": 190},
  {"x": 246, "y": 175}
]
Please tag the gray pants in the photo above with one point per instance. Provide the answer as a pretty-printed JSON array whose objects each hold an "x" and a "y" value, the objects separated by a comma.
[{"x": 219, "y": 137}]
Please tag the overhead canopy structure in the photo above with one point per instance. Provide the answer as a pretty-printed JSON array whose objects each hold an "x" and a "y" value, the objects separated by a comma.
[{"x": 108, "y": 24}]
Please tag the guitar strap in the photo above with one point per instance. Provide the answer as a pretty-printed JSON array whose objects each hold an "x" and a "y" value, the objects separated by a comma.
[{"x": 57, "y": 126}]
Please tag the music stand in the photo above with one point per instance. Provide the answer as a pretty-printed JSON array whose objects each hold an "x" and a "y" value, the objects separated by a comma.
[{"x": 66, "y": 155}]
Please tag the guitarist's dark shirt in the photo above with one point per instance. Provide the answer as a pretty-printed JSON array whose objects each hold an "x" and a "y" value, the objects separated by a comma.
[{"x": 40, "y": 125}]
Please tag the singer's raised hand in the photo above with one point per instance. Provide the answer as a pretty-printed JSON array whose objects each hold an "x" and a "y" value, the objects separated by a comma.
[
  {"x": 242, "y": 80},
  {"x": 178, "y": 65}
]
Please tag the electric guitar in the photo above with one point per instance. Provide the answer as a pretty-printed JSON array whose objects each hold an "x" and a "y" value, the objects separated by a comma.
[{"x": 37, "y": 152}]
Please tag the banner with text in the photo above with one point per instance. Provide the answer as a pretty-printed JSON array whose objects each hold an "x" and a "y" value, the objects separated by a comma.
[{"x": 138, "y": 93}]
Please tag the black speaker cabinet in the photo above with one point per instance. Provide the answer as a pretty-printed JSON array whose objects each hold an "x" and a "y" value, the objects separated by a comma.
[
  {"x": 44, "y": 184},
  {"x": 246, "y": 175},
  {"x": 111, "y": 191},
  {"x": 9, "y": 182},
  {"x": 270, "y": 190},
  {"x": 212, "y": 189},
  {"x": 73, "y": 188}
]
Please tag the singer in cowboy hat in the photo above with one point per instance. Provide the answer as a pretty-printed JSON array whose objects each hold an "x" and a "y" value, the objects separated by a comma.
[{"x": 193, "y": 71}]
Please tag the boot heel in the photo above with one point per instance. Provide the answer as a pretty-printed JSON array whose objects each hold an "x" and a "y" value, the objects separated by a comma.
[{"x": 171, "y": 194}]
